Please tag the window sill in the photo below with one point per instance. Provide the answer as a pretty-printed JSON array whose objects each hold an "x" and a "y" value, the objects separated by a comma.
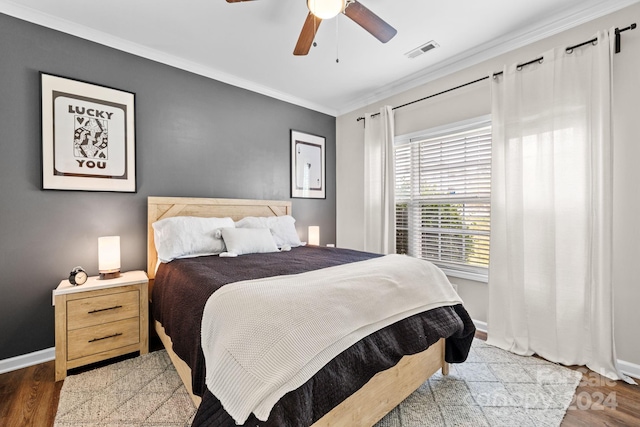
[{"x": 477, "y": 277}]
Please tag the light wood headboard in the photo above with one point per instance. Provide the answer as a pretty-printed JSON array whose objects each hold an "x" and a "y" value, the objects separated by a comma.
[{"x": 165, "y": 207}]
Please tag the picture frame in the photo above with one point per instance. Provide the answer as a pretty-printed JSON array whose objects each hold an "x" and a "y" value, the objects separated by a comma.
[
  {"x": 88, "y": 136},
  {"x": 308, "y": 166}
]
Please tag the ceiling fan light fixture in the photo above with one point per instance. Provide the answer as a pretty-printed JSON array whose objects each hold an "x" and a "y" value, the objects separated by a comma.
[{"x": 326, "y": 9}]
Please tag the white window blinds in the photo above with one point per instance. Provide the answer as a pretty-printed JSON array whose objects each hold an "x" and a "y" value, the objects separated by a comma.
[{"x": 443, "y": 199}]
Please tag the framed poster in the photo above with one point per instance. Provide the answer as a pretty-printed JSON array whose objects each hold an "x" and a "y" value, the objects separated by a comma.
[
  {"x": 307, "y": 165},
  {"x": 88, "y": 136}
]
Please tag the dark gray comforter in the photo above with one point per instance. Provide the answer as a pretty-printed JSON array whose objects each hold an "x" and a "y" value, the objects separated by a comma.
[{"x": 181, "y": 290}]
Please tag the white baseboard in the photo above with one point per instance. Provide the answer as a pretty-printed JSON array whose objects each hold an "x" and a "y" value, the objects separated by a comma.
[
  {"x": 627, "y": 368},
  {"x": 26, "y": 360},
  {"x": 481, "y": 326}
]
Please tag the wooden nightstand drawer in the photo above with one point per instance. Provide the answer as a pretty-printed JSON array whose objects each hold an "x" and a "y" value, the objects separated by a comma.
[
  {"x": 100, "y": 319},
  {"x": 97, "y": 310},
  {"x": 99, "y": 338}
]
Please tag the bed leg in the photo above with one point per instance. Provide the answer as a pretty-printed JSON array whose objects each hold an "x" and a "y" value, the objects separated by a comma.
[
  {"x": 445, "y": 368},
  {"x": 445, "y": 365}
]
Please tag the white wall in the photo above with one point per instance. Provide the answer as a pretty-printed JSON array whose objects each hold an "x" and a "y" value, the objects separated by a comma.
[{"x": 474, "y": 101}]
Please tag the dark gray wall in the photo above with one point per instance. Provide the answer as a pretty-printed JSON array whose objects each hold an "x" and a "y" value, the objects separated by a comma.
[{"x": 195, "y": 137}]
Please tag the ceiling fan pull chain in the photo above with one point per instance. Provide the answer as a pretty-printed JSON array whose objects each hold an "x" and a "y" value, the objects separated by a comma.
[
  {"x": 337, "y": 40},
  {"x": 315, "y": 27}
]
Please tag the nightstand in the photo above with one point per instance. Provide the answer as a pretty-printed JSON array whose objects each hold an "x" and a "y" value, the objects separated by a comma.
[{"x": 100, "y": 319}]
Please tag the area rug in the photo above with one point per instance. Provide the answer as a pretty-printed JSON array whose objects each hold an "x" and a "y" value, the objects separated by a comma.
[
  {"x": 492, "y": 388},
  {"x": 143, "y": 391}
]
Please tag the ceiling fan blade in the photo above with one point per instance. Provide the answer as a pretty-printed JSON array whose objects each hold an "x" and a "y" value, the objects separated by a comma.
[
  {"x": 307, "y": 34},
  {"x": 370, "y": 21}
]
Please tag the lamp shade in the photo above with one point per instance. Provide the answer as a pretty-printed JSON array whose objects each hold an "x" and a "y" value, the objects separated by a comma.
[
  {"x": 108, "y": 254},
  {"x": 314, "y": 235},
  {"x": 325, "y": 9}
]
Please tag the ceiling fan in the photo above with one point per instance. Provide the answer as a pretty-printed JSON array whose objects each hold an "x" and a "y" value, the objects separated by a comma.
[{"x": 326, "y": 9}]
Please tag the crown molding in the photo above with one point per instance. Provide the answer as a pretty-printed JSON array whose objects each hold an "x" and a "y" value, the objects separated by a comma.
[
  {"x": 457, "y": 63},
  {"x": 495, "y": 48},
  {"x": 81, "y": 31}
]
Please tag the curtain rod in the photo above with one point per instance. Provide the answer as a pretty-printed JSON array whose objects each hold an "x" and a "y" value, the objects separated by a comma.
[{"x": 519, "y": 67}]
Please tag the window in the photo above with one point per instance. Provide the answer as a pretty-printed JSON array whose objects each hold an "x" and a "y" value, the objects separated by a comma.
[{"x": 443, "y": 179}]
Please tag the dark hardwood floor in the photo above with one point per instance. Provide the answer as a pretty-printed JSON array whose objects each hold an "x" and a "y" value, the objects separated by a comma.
[
  {"x": 603, "y": 402},
  {"x": 29, "y": 397}
]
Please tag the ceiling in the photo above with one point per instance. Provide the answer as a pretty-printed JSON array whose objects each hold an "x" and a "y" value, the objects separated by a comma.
[{"x": 250, "y": 44}]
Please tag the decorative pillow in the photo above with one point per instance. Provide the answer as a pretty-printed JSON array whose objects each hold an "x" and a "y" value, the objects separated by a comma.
[
  {"x": 282, "y": 228},
  {"x": 188, "y": 237},
  {"x": 242, "y": 241}
]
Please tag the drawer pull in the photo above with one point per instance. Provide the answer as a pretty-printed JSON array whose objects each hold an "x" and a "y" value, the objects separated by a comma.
[
  {"x": 108, "y": 336},
  {"x": 104, "y": 309}
]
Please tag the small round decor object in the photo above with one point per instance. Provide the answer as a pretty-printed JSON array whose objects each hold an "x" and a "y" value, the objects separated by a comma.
[{"x": 78, "y": 276}]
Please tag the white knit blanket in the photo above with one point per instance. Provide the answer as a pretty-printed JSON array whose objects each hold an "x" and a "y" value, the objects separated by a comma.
[{"x": 263, "y": 338}]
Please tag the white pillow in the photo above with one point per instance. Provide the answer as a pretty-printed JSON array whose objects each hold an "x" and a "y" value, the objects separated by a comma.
[
  {"x": 242, "y": 241},
  {"x": 282, "y": 228},
  {"x": 188, "y": 237}
]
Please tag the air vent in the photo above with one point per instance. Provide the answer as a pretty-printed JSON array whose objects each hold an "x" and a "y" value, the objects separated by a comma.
[{"x": 422, "y": 49}]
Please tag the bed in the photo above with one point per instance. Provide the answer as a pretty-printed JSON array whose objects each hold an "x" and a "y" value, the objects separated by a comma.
[{"x": 360, "y": 400}]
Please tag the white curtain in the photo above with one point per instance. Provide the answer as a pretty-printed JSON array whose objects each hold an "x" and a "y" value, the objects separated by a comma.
[
  {"x": 379, "y": 183},
  {"x": 550, "y": 278}
]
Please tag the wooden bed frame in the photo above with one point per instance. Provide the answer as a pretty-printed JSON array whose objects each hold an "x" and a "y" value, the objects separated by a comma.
[{"x": 365, "y": 407}]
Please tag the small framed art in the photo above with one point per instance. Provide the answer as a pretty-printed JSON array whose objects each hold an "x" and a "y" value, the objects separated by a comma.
[
  {"x": 307, "y": 165},
  {"x": 88, "y": 136}
]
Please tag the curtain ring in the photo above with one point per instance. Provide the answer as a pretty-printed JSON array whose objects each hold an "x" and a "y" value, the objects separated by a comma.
[
  {"x": 541, "y": 61},
  {"x": 519, "y": 68},
  {"x": 569, "y": 50},
  {"x": 595, "y": 42}
]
